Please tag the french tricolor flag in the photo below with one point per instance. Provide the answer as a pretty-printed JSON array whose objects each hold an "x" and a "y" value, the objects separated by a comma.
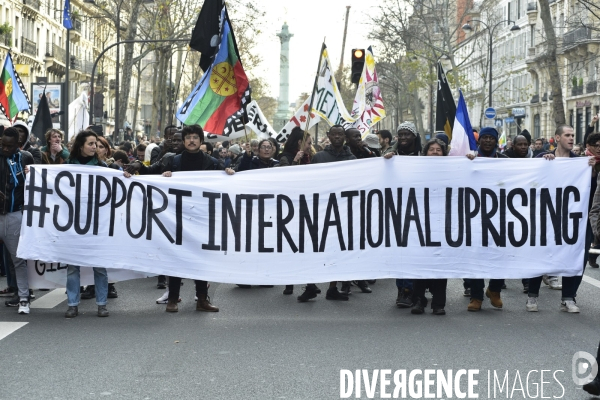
[{"x": 463, "y": 140}]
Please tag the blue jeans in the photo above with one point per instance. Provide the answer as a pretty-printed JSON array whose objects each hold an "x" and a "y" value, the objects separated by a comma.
[
  {"x": 404, "y": 284},
  {"x": 73, "y": 283},
  {"x": 477, "y": 286}
]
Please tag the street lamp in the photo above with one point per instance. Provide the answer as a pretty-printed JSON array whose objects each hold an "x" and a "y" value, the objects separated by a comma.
[{"x": 467, "y": 28}]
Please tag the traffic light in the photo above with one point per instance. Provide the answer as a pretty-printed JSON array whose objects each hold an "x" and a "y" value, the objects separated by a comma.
[{"x": 358, "y": 62}]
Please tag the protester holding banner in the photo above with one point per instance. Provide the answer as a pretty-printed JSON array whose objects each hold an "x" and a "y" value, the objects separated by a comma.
[
  {"x": 13, "y": 164},
  {"x": 165, "y": 146},
  {"x": 84, "y": 153},
  {"x": 334, "y": 152},
  {"x": 262, "y": 160},
  {"x": 437, "y": 287},
  {"x": 54, "y": 152},
  {"x": 564, "y": 137}
]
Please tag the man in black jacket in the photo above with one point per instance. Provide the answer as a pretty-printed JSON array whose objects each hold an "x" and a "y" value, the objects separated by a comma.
[
  {"x": 12, "y": 198},
  {"x": 165, "y": 146},
  {"x": 191, "y": 159},
  {"x": 24, "y": 142}
]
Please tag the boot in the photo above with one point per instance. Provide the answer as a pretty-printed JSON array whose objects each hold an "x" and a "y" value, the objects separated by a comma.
[
  {"x": 102, "y": 311},
  {"x": 494, "y": 298},
  {"x": 172, "y": 306},
  {"x": 310, "y": 292},
  {"x": 203, "y": 303},
  {"x": 333, "y": 294},
  {"x": 405, "y": 299},
  {"x": 474, "y": 305},
  {"x": 289, "y": 289},
  {"x": 72, "y": 312},
  {"x": 89, "y": 292}
]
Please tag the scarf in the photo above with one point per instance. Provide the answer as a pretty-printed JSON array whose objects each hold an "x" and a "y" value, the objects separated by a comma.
[{"x": 589, "y": 154}]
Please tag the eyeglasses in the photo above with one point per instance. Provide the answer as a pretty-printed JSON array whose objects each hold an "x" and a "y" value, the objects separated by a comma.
[{"x": 266, "y": 148}]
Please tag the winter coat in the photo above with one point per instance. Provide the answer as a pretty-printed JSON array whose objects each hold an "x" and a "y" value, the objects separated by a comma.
[{"x": 329, "y": 155}]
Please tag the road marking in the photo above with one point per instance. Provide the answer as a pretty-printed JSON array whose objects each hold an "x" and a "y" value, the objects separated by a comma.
[
  {"x": 6, "y": 328},
  {"x": 591, "y": 281},
  {"x": 50, "y": 300}
]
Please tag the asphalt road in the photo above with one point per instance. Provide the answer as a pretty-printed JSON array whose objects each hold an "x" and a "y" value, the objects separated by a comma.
[{"x": 264, "y": 345}]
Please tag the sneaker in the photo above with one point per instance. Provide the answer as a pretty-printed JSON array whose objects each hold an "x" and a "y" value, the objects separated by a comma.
[
  {"x": 418, "y": 309},
  {"x": 467, "y": 292},
  {"x": 334, "y": 294},
  {"x": 164, "y": 299},
  {"x": 554, "y": 283},
  {"x": 24, "y": 307},
  {"x": 405, "y": 299},
  {"x": 474, "y": 305},
  {"x": 364, "y": 286},
  {"x": 532, "y": 305},
  {"x": 309, "y": 293},
  {"x": 13, "y": 302},
  {"x": 8, "y": 292},
  {"x": 569, "y": 306},
  {"x": 102, "y": 311},
  {"x": 494, "y": 298},
  {"x": 438, "y": 311},
  {"x": 112, "y": 292}
]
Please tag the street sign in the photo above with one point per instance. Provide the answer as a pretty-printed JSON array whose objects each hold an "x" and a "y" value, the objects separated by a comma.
[
  {"x": 490, "y": 113},
  {"x": 509, "y": 120},
  {"x": 498, "y": 122},
  {"x": 518, "y": 112}
]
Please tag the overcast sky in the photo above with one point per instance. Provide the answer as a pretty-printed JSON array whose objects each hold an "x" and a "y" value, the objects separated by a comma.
[{"x": 310, "y": 21}]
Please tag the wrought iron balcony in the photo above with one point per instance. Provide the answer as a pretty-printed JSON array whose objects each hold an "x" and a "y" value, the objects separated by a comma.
[
  {"x": 28, "y": 46},
  {"x": 35, "y": 4},
  {"x": 591, "y": 87},
  {"x": 531, "y": 6},
  {"x": 76, "y": 25},
  {"x": 577, "y": 90},
  {"x": 55, "y": 51},
  {"x": 535, "y": 99},
  {"x": 577, "y": 35},
  {"x": 7, "y": 39}
]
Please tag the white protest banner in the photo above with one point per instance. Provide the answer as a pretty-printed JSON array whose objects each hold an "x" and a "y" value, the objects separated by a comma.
[
  {"x": 408, "y": 217},
  {"x": 44, "y": 275},
  {"x": 299, "y": 119},
  {"x": 257, "y": 121}
]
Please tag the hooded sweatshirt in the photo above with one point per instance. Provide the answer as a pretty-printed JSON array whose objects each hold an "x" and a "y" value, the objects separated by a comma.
[{"x": 35, "y": 152}]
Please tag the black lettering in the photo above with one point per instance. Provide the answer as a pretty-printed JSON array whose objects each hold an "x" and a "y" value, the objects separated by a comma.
[
  {"x": 532, "y": 216},
  {"x": 470, "y": 213},
  {"x": 375, "y": 243},
  {"x": 487, "y": 226},
  {"x": 30, "y": 208},
  {"x": 153, "y": 213},
  {"x": 350, "y": 195},
  {"x": 283, "y": 221},
  {"x": 461, "y": 215},
  {"x": 311, "y": 223},
  {"x": 249, "y": 201},
  {"x": 412, "y": 214},
  {"x": 114, "y": 203},
  {"x": 428, "y": 241},
  {"x": 573, "y": 216},
  {"x": 511, "y": 225},
  {"x": 179, "y": 195},
  {"x": 236, "y": 220},
  {"x": 332, "y": 206},
  {"x": 212, "y": 217},
  {"x": 67, "y": 226},
  {"x": 128, "y": 218},
  {"x": 90, "y": 201},
  {"x": 99, "y": 203},
  {"x": 395, "y": 212},
  {"x": 546, "y": 207},
  {"x": 363, "y": 204},
  {"x": 262, "y": 224}
]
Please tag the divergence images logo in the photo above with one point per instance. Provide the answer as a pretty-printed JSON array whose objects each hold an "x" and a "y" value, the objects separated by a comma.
[{"x": 583, "y": 368}]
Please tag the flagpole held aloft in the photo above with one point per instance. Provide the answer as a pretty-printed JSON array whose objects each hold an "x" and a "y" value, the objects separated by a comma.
[{"x": 312, "y": 96}]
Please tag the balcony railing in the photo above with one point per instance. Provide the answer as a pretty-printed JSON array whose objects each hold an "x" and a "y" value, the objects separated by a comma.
[
  {"x": 591, "y": 87},
  {"x": 55, "y": 51},
  {"x": 531, "y": 6},
  {"x": 535, "y": 99},
  {"x": 75, "y": 64},
  {"x": 28, "y": 46},
  {"x": 577, "y": 90},
  {"x": 7, "y": 39},
  {"x": 545, "y": 97},
  {"x": 86, "y": 66},
  {"x": 35, "y": 4},
  {"x": 577, "y": 35}
]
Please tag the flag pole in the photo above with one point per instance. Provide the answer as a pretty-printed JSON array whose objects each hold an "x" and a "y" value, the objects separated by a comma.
[{"x": 312, "y": 96}]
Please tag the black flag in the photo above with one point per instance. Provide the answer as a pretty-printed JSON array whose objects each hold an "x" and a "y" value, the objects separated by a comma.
[
  {"x": 446, "y": 108},
  {"x": 42, "y": 121},
  {"x": 205, "y": 36}
]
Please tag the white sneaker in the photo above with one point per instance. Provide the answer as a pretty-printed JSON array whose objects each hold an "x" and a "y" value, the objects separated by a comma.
[
  {"x": 554, "y": 283},
  {"x": 164, "y": 299},
  {"x": 546, "y": 280},
  {"x": 532, "y": 304},
  {"x": 569, "y": 306},
  {"x": 23, "y": 307}
]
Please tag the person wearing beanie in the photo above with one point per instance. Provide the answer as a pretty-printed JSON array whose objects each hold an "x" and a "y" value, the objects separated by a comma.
[
  {"x": 235, "y": 153},
  {"x": 441, "y": 135},
  {"x": 488, "y": 146},
  {"x": 408, "y": 144}
]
